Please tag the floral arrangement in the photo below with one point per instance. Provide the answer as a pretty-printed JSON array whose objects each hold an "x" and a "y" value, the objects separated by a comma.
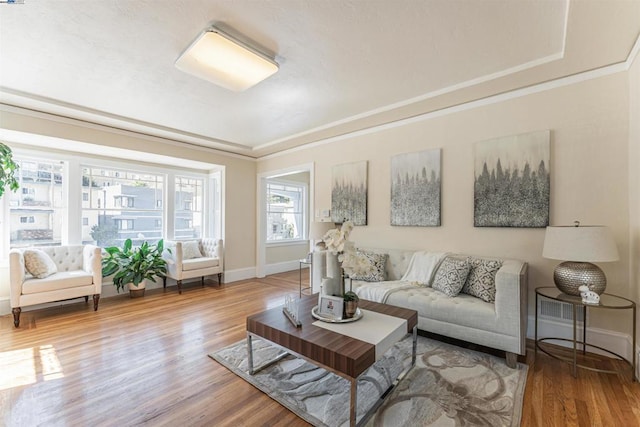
[{"x": 352, "y": 262}]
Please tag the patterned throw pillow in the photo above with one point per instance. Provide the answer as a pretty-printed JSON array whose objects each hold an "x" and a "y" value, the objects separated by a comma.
[
  {"x": 378, "y": 267},
  {"x": 481, "y": 282},
  {"x": 451, "y": 276},
  {"x": 38, "y": 263},
  {"x": 191, "y": 250}
]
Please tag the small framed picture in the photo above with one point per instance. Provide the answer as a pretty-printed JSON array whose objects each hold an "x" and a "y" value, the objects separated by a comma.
[{"x": 331, "y": 306}]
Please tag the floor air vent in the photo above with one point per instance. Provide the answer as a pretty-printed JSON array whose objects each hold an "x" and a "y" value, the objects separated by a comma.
[{"x": 559, "y": 311}]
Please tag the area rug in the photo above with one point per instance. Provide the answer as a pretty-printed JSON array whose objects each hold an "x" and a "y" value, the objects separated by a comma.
[{"x": 448, "y": 386}]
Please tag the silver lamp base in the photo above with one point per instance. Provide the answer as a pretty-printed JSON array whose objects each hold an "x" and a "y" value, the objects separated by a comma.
[{"x": 570, "y": 275}]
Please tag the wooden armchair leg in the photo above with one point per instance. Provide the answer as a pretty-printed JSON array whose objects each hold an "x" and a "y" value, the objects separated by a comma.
[
  {"x": 179, "y": 286},
  {"x": 164, "y": 282},
  {"x": 86, "y": 298},
  {"x": 202, "y": 280},
  {"x": 219, "y": 279},
  {"x": 16, "y": 316},
  {"x": 96, "y": 300}
]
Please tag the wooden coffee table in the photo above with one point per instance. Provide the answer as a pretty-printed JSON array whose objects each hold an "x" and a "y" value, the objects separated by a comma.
[{"x": 341, "y": 354}]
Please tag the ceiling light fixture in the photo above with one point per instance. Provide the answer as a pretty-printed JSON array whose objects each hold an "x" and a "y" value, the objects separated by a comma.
[{"x": 223, "y": 60}]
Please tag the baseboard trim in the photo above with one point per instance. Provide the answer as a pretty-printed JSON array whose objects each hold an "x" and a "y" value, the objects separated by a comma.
[
  {"x": 614, "y": 341},
  {"x": 282, "y": 267},
  {"x": 230, "y": 276}
]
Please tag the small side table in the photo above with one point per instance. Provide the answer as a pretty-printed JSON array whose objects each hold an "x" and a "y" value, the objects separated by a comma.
[
  {"x": 607, "y": 301},
  {"x": 304, "y": 261}
]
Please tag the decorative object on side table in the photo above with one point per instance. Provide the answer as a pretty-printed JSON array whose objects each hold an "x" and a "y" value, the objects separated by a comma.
[
  {"x": 588, "y": 297},
  {"x": 317, "y": 230},
  {"x": 578, "y": 246}
]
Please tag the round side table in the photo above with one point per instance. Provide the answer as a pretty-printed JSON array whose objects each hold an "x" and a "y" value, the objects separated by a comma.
[{"x": 607, "y": 301}]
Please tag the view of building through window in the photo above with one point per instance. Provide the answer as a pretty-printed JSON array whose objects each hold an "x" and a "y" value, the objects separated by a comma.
[
  {"x": 116, "y": 204},
  {"x": 285, "y": 211},
  {"x": 36, "y": 211}
]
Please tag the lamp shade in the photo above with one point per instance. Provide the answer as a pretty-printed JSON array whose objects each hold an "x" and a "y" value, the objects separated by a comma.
[
  {"x": 582, "y": 243},
  {"x": 225, "y": 61},
  {"x": 317, "y": 230}
]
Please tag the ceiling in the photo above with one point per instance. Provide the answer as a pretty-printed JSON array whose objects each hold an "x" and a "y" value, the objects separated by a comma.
[{"x": 345, "y": 65}]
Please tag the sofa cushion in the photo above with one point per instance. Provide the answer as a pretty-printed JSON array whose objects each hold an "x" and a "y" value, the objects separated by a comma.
[
  {"x": 199, "y": 263},
  {"x": 377, "y": 270},
  {"x": 481, "y": 281},
  {"x": 57, "y": 281},
  {"x": 451, "y": 276},
  {"x": 191, "y": 250},
  {"x": 38, "y": 263}
]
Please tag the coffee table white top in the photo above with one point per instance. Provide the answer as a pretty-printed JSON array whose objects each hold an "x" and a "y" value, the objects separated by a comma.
[{"x": 378, "y": 329}]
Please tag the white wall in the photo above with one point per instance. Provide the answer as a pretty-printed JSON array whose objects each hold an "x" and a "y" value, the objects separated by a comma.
[
  {"x": 589, "y": 124},
  {"x": 634, "y": 184}
]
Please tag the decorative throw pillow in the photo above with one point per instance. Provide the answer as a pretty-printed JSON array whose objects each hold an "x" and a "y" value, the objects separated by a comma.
[
  {"x": 451, "y": 276},
  {"x": 481, "y": 282},
  {"x": 38, "y": 263},
  {"x": 191, "y": 250},
  {"x": 377, "y": 267}
]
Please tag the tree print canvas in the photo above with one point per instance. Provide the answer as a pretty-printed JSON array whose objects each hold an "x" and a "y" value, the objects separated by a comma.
[
  {"x": 415, "y": 189},
  {"x": 349, "y": 193},
  {"x": 512, "y": 181}
]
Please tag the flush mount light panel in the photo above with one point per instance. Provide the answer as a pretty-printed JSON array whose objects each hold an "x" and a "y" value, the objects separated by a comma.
[{"x": 225, "y": 61}]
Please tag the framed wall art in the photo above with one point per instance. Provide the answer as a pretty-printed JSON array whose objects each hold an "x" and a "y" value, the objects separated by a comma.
[
  {"x": 512, "y": 181},
  {"x": 349, "y": 193},
  {"x": 415, "y": 188}
]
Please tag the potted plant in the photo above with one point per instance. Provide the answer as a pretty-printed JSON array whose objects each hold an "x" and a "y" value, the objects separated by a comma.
[
  {"x": 350, "y": 304},
  {"x": 8, "y": 169},
  {"x": 134, "y": 265}
]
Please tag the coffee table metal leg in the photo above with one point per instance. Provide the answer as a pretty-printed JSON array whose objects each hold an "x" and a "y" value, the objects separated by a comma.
[
  {"x": 352, "y": 406},
  {"x": 250, "y": 353}
]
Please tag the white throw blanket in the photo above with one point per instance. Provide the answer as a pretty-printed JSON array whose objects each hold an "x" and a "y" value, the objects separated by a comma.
[
  {"x": 423, "y": 266},
  {"x": 379, "y": 291}
]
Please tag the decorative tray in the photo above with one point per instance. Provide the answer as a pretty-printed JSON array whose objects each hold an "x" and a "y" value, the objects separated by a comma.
[{"x": 357, "y": 316}]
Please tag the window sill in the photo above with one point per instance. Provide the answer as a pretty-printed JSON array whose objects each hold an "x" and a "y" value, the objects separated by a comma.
[{"x": 287, "y": 243}]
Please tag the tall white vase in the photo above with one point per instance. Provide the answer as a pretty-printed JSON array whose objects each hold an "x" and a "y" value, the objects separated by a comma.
[{"x": 335, "y": 284}]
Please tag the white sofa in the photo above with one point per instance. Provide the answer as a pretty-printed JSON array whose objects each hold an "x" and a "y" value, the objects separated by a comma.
[
  {"x": 194, "y": 258},
  {"x": 79, "y": 274},
  {"x": 500, "y": 325}
]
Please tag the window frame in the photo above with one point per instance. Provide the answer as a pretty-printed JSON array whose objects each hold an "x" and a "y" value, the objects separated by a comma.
[{"x": 303, "y": 239}]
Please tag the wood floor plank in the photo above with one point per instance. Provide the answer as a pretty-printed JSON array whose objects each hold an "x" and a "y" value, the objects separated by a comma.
[{"x": 144, "y": 362}]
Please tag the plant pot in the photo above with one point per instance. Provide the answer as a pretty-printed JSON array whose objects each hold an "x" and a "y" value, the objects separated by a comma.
[
  {"x": 350, "y": 308},
  {"x": 137, "y": 291}
]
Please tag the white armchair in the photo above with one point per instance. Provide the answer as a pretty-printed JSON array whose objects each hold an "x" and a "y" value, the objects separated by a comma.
[
  {"x": 195, "y": 258},
  {"x": 68, "y": 272}
]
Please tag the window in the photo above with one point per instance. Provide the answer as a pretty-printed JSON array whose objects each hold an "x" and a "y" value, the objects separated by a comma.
[
  {"x": 188, "y": 219},
  {"x": 116, "y": 200},
  {"x": 122, "y": 205},
  {"x": 286, "y": 205},
  {"x": 37, "y": 211}
]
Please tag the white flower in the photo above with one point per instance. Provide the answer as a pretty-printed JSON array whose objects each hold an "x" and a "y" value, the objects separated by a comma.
[{"x": 353, "y": 262}]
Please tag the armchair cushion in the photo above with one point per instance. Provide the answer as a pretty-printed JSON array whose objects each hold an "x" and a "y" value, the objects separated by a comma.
[
  {"x": 62, "y": 280},
  {"x": 38, "y": 264},
  {"x": 191, "y": 250},
  {"x": 199, "y": 263}
]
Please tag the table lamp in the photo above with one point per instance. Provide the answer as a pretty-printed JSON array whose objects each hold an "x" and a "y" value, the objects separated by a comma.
[
  {"x": 317, "y": 230},
  {"x": 579, "y": 246}
]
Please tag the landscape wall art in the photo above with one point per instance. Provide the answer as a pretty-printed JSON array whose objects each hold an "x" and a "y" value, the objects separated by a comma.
[
  {"x": 349, "y": 193},
  {"x": 512, "y": 181},
  {"x": 415, "y": 189}
]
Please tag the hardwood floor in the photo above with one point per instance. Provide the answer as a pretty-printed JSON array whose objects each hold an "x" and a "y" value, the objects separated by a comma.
[{"x": 144, "y": 362}]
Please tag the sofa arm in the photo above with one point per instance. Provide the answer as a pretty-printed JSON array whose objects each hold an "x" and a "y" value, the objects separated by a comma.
[
  {"x": 92, "y": 263},
  {"x": 173, "y": 258},
  {"x": 511, "y": 298},
  {"x": 16, "y": 276}
]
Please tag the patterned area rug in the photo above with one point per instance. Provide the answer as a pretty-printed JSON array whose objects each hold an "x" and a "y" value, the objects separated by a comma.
[{"x": 449, "y": 386}]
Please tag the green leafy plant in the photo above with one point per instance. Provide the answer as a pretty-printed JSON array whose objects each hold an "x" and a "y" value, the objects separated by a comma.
[
  {"x": 8, "y": 169},
  {"x": 133, "y": 265},
  {"x": 350, "y": 296}
]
